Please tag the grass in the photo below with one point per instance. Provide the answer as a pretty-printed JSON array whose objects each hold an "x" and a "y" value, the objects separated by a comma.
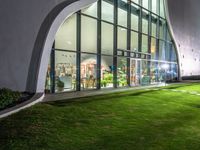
[{"x": 133, "y": 120}]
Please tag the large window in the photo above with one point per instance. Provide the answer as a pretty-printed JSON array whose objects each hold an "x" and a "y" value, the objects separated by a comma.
[
  {"x": 145, "y": 4},
  {"x": 144, "y": 43},
  {"x": 134, "y": 41},
  {"x": 122, "y": 13},
  {"x": 91, "y": 10},
  {"x": 65, "y": 71},
  {"x": 121, "y": 71},
  {"x": 122, "y": 38},
  {"x": 107, "y": 69},
  {"x": 88, "y": 35},
  {"x": 107, "y": 39},
  {"x": 88, "y": 71},
  {"x": 102, "y": 46},
  {"x": 66, "y": 36},
  {"x": 107, "y": 11}
]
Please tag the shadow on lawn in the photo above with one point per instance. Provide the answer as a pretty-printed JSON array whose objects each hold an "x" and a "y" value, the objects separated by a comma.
[{"x": 63, "y": 103}]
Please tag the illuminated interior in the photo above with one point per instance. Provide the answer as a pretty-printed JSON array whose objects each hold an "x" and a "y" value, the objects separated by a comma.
[{"x": 111, "y": 44}]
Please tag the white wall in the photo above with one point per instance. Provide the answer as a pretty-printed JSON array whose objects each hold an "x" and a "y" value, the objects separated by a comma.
[{"x": 185, "y": 20}]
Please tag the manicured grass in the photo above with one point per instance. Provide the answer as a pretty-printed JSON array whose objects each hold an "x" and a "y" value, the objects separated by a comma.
[{"x": 134, "y": 120}]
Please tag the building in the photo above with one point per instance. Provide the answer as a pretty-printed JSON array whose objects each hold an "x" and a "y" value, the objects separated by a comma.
[{"x": 69, "y": 45}]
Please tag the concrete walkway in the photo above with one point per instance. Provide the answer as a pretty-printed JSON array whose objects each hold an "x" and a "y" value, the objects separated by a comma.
[{"x": 73, "y": 95}]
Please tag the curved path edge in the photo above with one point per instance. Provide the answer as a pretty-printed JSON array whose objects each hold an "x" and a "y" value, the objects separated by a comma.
[{"x": 34, "y": 100}]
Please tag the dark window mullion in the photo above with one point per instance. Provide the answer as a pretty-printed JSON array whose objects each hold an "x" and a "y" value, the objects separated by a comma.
[
  {"x": 140, "y": 29},
  {"x": 99, "y": 44},
  {"x": 115, "y": 44},
  {"x": 78, "y": 58},
  {"x": 52, "y": 71},
  {"x": 128, "y": 40}
]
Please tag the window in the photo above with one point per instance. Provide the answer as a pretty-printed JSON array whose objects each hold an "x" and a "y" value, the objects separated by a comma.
[
  {"x": 145, "y": 26},
  {"x": 162, "y": 29},
  {"x": 153, "y": 29},
  {"x": 122, "y": 38},
  {"x": 134, "y": 41},
  {"x": 145, "y": 4},
  {"x": 65, "y": 71},
  {"x": 154, "y": 6},
  {"x": 162, "y": 10},
  {"x": 107, "y": 11},
  {"x": 107, "y": 39},
  {"x": 66, "y": 36},
  {"x": 161, "y": 50},
  {"x": 121, "y": 72},
  {"x": 91, "y": 10},
  {"x": 122, "y": 13},
  {"x": 153, "y": 48},
  {"x": 88, "y": 35},
  {"x": 134, "y": 17},
  {"x": 107, "y": 71},
  {"x": 88, "y": 71},
  {"x": 135, "y": 1},
  {"x": 144, "y": 43}
]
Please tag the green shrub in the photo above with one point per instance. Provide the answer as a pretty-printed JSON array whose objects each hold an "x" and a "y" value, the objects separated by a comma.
[{"x": 8, "y": 97}]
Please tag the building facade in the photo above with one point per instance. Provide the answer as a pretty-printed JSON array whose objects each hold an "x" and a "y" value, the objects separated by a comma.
[
  {"x": 112, "y": 44},
  {"x": 29, "y": 28}
]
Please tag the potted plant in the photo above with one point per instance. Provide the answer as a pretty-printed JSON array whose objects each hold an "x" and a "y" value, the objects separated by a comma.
[
  {"x": 103, "y": 83},
  {"x": 60, "y": 86}
]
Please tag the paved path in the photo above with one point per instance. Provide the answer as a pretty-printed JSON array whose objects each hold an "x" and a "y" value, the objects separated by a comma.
[{"x": 173, "y": 90}]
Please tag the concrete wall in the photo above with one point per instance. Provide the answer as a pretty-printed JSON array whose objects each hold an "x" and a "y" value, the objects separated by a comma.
[{"x": 184, "y": 16}]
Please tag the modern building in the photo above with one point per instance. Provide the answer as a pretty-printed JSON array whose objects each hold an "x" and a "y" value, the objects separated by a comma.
[
  {"x": 79, "y": 45},
  {"x": 113, "y": 44}
]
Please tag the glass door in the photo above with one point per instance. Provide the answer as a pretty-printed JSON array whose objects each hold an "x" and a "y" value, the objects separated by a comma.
[{"x": 135, "y": 72}]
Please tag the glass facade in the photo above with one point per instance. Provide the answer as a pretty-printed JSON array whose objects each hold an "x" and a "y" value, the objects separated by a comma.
[{"x": 110, "y": 44}]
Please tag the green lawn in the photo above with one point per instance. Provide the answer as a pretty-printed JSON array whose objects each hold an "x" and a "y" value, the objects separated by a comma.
[{"x": 134, "y": 120}]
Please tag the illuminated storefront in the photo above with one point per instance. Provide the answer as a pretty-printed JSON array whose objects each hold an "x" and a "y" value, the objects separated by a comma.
[{"x": 110, "y": 44}]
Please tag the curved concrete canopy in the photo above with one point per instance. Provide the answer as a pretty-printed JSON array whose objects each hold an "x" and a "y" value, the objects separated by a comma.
[
  {"x": 25, "y": 30},
  {"x": 41, "y": 53}
]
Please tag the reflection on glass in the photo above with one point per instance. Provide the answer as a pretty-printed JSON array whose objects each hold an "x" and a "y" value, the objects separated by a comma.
[
  {"x": 65, "y": 71},
  {"x": 162, "y": 11},
  {"x": 121, "y": 72},
  {"x": 154, "y": 72},
  {"x": 135, "y": 1},
  {"x": 107, "y": 11},
  {"x": 161, "y": 50},
  {"x": 107, "y": 39},
  {"x": 162, "y": 29},
  {"x": 134, "y": 17},
  {"x": 88, "y": 71},
  {"x": 134, "y": 41},
  {"x": 134, "y": 72},
  {"x": 122, "y": 13},
  {"x": 145, "y": 78},
  {"x": 107, "y": 71},
  {"x": 145, "y": 26},
  {"x": 153, "y": 29},
  {"x": 66, "y": 36},
  {"x": 145, "y": 4},
  {"x": 88, "y": 35},
  {"x": 48, "y": 79},
  {"x": 91, "y": 10},
  {"x": 144, "y": 43},
  {"x": 153, "y": 48},
  {"x": 122, "y": 38},
  {"x": 154, "y": 6}
]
